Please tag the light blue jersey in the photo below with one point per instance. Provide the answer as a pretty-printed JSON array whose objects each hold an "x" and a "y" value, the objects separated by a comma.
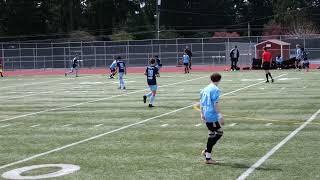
[
  {"x": 209, "y": 96},
  {"x": 113, "y": 65},
  {"x": 186, "y": 58},
  {"x": 299, "y": 54}
]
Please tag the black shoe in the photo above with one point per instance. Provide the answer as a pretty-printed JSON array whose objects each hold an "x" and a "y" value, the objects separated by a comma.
[
  {"x": 124, "y": 88},
  {"x": 272, "y": 80},
  {"x": 267, "y": 81},
  {"x": 144, "y": 99},
  {"x": 151, "y": 106}
]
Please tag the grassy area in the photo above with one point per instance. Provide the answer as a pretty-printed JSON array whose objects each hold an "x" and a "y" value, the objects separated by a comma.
[{"x": 39, "y": 114}]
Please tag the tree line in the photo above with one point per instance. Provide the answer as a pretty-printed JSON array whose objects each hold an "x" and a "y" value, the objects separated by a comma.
[{"x": 135, "y": 19}]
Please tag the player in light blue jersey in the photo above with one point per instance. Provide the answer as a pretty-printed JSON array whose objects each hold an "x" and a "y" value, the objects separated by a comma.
[
  {"x": 113, "y": 68},
  {"x": 122, "y": 70},
  {"x": 210, "y": 114},
  {"x": 186, "y": 61}
]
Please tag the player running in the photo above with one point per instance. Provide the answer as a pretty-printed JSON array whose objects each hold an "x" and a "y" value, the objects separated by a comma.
[
  {"x": 113, "y": 69},
  {"x": 210, "y": 114},
  {"x": 75, "y": 66},
  {"x": 266, "y": 63},
  {"x": 122, "y": 70},
  {"x": 151, "y": 72}
]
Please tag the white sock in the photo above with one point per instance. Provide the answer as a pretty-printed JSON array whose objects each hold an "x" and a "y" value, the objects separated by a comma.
[{"x": 208, "y": 155}]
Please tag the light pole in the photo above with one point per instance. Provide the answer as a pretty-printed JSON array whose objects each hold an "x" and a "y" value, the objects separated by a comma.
[{"x": 158, "y": 4}]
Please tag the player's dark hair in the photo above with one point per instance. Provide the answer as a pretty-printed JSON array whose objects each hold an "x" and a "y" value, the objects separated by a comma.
[
  {"x": 156, "y": 56},
  {"x": 152, "y": 61},
  {"x": 215, "y": 77},
  {"x": 265, "y": 48},
  {"x": 119, "y": 57}
]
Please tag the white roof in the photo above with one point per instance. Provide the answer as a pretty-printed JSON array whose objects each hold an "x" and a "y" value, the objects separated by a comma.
[{"x": 275, "y": 41}]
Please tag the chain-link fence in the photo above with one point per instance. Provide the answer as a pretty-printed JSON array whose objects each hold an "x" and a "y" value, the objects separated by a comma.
[{"x": 206, "y": 51}]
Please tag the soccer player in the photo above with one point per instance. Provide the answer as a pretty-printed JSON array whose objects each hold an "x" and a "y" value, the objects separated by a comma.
[
  {"x": 113, "y": 69},
  {"x": 1, "y": 67},
  {"x": 75, "y": 66},
  {"x": 186, "y": 61},
  {"x": 299, "y": 57},
  {"x": 189, "y": 53},
  {"x": 210, "y": 114},
  {"x": 122, "y": 70},
  {"x": 158, "y": 61},
  {"x": 151, "y": 72},
  {"x": 266, "y": 63},
  {"x": 306, "y": 63}
]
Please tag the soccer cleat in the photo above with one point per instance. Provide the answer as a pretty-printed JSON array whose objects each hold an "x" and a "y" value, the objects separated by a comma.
[
  {"x": 272, "y": 80},
  {"x": 151, "y": 106},
  {"x": 267, "y": 81},
  {"x": 65, "y": 74},
  {"x": 211, "y": 161},
  {"x": 203, "y": 153},
  {"x": 124, "y": 88},
  {"x": 144, "y": 99}
]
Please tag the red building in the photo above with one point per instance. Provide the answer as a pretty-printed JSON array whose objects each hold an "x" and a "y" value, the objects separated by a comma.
[{"x": 276, "y": 47}]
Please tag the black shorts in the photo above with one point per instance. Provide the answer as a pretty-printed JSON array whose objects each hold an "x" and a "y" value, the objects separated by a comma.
[
  {"x": 186, "y": 64},
  {"x": 266, "y": 65},
  {"x": 112, "y": 70},
  {"x": 213, "y": 127},
  {"x": 306, "y": 65}
]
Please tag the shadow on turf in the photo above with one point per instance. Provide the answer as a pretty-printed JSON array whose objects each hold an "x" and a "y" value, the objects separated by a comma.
[{"x": 245, "y": 166}]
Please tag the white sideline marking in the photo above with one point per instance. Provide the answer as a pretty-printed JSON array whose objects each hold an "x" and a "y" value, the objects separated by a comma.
[
  {"x": 305, "y": 87},
  {"x": 197, "y": 125},
  {"x": 233, "y": 124},
  {"x": 268, "y": 124},
  {"x": 67, "y": 125},
  {"x": 93, "y": 101},
  {"x": 37, "y": 125},
  {"x": 29, "y": 94},
  {"x": 4, "y": 126},
  {"x": 36, "y": 83},
  {"x": 277, "y": 147},
  {"x": 180, "y": 90},
  {"x": 118, "y": 129},
  {"x": 164, "y": 125},
  {"x": 98, "y": 125}
]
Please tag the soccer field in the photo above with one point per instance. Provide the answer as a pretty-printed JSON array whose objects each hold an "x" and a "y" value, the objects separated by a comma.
[{"x": 111, "y": 134}]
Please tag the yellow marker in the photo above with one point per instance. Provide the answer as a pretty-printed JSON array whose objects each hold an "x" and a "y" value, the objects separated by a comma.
[{"x": 196, "y": 106}]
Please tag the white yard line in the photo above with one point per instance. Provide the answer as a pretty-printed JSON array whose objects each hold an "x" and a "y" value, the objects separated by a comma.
[
  {"x": 98, "y": 125},
  {"x": 277, "y": 147},
  {"x": 4, "y": 126},
  {"x": 268, "y": 124},
  {"x": 33, "y": 94},
  {"x": 37, "y": 125},
  {"x": 164, "y": 125},
  {"x": 233, "y": 124},
  {"x": 116, "y": 130},
  {"x": 67, "y": 125},
  {"x": 93, "y": 101},
  {"x": 197, "y": 125},
  {"x": 31, "y": 84}
]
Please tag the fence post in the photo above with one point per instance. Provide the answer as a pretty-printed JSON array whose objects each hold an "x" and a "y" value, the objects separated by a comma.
[
  {"x": 20, "y": 55},
  {"x": 202, "y": 50},
  {"x": 52, "y": 55},
  {"x": 2, "y": 56},
  {"x": 177, "y": 51},
  {"x": 105, "y": 54},
  {"x": 152, "y": 48},
  {"x": 95, "y": 56},
  {"x": 128, "y": 52}
]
